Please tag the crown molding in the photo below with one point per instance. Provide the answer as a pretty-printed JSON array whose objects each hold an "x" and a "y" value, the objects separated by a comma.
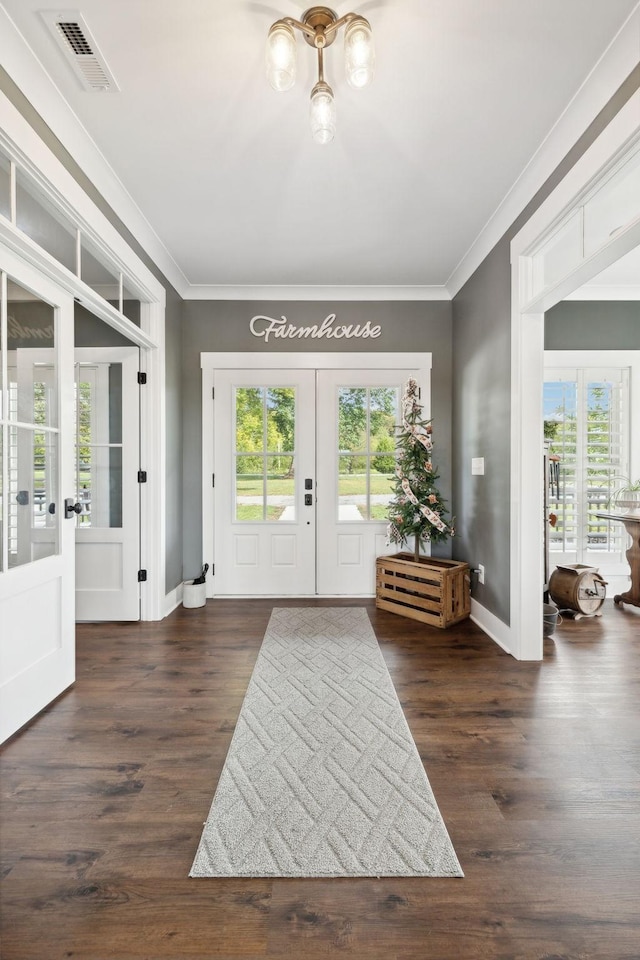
[
  {"x": 607, "y": 76},
  {"x": 302, "y": 292}
]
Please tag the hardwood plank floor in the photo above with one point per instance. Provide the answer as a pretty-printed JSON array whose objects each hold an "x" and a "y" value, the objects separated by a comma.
[{"x": 535, "y": 766}]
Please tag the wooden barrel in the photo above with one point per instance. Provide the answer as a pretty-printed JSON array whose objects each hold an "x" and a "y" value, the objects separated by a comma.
[{"x": 577, "y": 587}]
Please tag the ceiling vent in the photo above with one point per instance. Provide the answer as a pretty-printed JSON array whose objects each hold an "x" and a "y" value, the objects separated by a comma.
[{"x": 71, "y": 33}]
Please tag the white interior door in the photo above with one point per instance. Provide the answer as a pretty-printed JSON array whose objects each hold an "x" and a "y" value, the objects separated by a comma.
[
  {"x": 107, "y": 458},
  {"x": 264, "y": 451},
  {"x": 37, "y": 633},
  {"x": 278, "y": 532}
]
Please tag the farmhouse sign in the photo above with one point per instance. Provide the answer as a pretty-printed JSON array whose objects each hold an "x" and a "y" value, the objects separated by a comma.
[{"x": 280, "y": 328}]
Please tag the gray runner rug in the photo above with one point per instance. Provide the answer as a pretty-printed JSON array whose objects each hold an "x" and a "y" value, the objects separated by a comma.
[{"x": 323, "y": 778}]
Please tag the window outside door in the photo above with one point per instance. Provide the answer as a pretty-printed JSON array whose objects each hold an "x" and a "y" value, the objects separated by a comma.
[{"x": 586, "y": 412}]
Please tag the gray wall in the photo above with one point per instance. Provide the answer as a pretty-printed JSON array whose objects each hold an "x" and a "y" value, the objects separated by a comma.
[
  {"x": 224, "y": 326},
  {"x": 481, "y": 392},
  {"x": 593, "y": 325}
]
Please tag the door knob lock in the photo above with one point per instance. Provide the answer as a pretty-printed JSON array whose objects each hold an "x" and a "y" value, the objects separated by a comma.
[{"x": 70, "y": 507}]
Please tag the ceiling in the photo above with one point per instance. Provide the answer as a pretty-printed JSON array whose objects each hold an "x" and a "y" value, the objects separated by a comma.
[{"x": 226, "y": 173}]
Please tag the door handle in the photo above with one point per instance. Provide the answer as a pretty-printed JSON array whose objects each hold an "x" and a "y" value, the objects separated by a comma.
[
  {"x": 22, "y": 498},
  {"x": 70, "y": 508},
  {"x": 308, "y": 499}
]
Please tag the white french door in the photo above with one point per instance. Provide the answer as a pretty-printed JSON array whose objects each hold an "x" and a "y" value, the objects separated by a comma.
[
  {"x": 37, "y": 632},
  {"x": 302, "y": 471},
  {"x": 107, "y": 458},
  {"x": 264, "y": 482}
]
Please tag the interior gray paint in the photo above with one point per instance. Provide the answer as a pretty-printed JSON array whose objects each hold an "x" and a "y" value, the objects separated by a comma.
[
  {"x": 593, "y": 325},
  {"x": 224, "y": 327},
  {"x": 481, "y": 393}
]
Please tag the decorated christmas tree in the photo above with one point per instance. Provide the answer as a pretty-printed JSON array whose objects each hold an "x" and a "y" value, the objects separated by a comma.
[{"x": 417, "y": 509}]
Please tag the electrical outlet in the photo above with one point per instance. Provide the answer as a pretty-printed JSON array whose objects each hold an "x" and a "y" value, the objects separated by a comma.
[{"x": 480, "y": 573}]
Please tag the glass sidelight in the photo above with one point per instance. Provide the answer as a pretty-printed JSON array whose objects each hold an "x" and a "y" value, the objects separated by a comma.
[
  {"x": 366, "y": 451},
  {"x": 264, "y": 457},
  {"x": 30, "y": 435},
  {"x": 98, "y": 461}
]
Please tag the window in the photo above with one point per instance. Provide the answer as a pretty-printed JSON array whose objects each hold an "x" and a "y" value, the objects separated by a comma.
[{"x": 587, "y": 422}]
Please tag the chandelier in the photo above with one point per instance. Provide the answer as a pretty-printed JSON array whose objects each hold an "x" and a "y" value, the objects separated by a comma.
[{"x": 319, "y": 27}]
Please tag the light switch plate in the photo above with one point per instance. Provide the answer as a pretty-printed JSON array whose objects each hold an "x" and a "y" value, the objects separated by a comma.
[{"x": 477, "y": 466}]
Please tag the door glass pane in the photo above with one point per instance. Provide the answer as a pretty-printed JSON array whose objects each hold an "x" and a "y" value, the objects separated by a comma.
[
  {"x": 265, "y": 454},
  {"x": 352, "y": 419},
  {"x": 44, "y": 223},
  {"x": 250, "y": 419},
  {"x": 99, "y": 444},
  {"x": 367, "y": 417},
  {"x": 31, "y": 358},
  {"x": 280, "y": 419},
  {"x": 99, "y": 272},
  {"x": 5, "y": 186},
  {"x": 250, "y": 488},
  {"x": 281, "y": 501},
  {"x": 32, "y": 494}
]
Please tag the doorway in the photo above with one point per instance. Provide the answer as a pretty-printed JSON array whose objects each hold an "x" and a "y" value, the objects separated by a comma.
[{"x": 298, "y": 469}]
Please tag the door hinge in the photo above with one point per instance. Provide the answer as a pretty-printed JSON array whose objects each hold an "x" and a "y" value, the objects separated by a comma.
[
  {"x": 213, "y": 393},
  {"x": 213, "y": 479},
  {"x": 142, "y": 576},
  {"x": 142, "y": 377},
  {"x": 213, "y": 569},
  {"x": 142, "y": 476}
]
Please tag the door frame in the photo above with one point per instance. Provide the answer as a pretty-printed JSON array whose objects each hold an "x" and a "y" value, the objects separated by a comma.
[
  {"x": 29, "y": 152},
  {"x": 129, "y": 358},
  {"x": 210, "y": 362},
  {"x": 524, "y": 636}
]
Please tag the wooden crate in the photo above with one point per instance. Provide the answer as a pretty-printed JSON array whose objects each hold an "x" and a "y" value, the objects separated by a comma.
[{"x": 431, "y": 590}]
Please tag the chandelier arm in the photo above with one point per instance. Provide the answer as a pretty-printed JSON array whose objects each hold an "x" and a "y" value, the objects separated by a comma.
[
  {"x": 302, "y": 27},
  {"x": 341, "y": 22}
]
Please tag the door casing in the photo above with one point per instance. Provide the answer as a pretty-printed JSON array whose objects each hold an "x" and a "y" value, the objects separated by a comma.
[{"x": 420, "y": 363}]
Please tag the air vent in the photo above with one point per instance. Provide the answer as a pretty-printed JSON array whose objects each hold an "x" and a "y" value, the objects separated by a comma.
[{"x": 71, "y": 33}]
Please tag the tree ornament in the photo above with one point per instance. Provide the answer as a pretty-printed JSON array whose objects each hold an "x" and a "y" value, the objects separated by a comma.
[{"x": 417, "y": 509}]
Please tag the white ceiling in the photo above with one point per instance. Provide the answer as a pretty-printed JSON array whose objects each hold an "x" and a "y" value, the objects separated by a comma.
[{"x": 225, "y": 171}]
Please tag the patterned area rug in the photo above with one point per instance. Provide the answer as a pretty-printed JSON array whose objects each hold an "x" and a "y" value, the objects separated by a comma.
[{"x": 323, "y": 778}]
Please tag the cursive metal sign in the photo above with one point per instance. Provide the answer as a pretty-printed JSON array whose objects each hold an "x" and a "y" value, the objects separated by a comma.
[{"x": 280, "y": 328}]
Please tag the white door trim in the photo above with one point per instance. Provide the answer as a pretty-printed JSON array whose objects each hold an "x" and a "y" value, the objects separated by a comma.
[
  {"x": 210, "y": 362},
  {"x": 527, "y": 368},
  {"x": 21, "y": 142}
]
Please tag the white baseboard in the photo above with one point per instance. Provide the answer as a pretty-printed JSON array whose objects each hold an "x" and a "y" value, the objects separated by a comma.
[
  {"x": 172, "y": 600},
  {"x": 492, "y": 626}
]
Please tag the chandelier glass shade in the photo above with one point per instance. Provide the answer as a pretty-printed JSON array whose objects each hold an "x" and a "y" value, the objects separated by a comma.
[{"x": 319, "y": 27}]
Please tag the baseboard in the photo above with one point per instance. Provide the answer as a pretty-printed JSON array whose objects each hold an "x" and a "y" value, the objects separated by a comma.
[
  {"x": 172, "y": 600},
  {"x": 491, "y": 625}
]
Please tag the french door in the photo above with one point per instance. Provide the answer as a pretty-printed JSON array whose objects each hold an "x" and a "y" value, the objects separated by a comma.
[
  {"x": 37, "y": 632},
  {"x": 106, "y": 462},
  {"x": 304, "y": 466}
]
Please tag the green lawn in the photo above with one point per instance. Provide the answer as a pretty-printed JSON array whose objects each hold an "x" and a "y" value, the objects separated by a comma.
[{"x": 279, "y": 486}]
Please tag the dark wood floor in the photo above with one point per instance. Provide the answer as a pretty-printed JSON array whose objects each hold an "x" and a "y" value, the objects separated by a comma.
[{"x": 536, "y": 769}]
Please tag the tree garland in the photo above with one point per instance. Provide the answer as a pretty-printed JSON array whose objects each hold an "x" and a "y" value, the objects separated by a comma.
[{"x": 417, "y": 509}]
